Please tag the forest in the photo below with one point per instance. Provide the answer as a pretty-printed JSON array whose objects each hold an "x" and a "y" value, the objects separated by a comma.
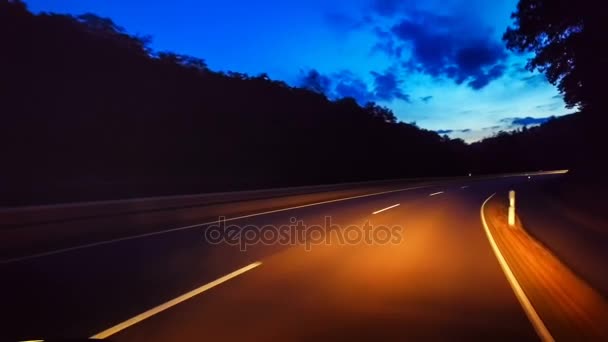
[{"x": 91, "y": 112}]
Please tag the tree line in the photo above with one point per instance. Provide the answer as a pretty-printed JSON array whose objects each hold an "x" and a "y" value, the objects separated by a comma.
[{"x": 89, "y": 111}]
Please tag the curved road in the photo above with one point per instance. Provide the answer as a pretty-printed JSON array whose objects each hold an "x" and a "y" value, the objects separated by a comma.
[{"x": 437, "y": 278}]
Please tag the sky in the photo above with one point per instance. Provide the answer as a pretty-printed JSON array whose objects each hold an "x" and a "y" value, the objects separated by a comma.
[{"x": 438, "y": 63}]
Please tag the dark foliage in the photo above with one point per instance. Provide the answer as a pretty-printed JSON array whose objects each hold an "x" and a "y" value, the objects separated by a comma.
[
  {"x": 567, "y": 38},
  {"x": 90, "y": 112},
  {"x": 557, "y": 144}
]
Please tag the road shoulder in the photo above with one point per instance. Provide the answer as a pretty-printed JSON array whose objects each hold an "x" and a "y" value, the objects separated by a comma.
[{"x": 567, "y": 306}]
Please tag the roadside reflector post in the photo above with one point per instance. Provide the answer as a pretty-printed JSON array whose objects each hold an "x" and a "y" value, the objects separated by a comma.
[{"x": 511, "y": 208}]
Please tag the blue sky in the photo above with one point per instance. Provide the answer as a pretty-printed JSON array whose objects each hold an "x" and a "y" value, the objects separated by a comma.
[{"x": 441, "y": 64}]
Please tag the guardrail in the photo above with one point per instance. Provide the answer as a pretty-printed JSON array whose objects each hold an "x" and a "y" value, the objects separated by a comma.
[
  {"x": 20, "y": 216},
  {"x": 29, "y": 215}
]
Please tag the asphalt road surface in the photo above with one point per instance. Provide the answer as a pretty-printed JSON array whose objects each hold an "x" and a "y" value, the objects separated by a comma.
[{"x": 437, "y": 277}]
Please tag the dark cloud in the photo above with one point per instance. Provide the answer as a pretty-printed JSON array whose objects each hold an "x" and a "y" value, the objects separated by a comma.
[
  {"x": 470, "y": 59},
  {"x": 493, "y": 128},
  {"x": 453, "y": 46},
  {"x": 448, "y": 131},
  {"x": 387, "y": 44},
  {"x": 481, "y": 80},
  {"x": 529, "y": 121},
  {"x": 528, "y": 78},
  {"x": 386, "y": 87},
  {"x": 526, "y": 121},
  {"x": 426, "y": 99},
  {"x": 316, "y": 82},
  {"x": 347, "y": 85},
  {"x": 442, "y": 46}
]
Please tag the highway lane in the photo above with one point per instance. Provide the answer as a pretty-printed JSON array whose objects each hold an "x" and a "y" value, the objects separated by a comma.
[
  {"x": 39, "y": 230},
  {"x": 441, "y": 280}
]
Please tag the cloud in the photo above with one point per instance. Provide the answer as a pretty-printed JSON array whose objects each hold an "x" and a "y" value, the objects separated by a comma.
[
  {"x": 426, "y": 99},
  {"x": 348, "y": 85},
  {"x": 316, "y": 82},
  {"x": 504, "y": 125},
  {"x": 338, "y": 85},
  {"x": 439, "y": 52},
  {"x": 387, "y": 44},
  {"x": 450, "y": 131},
  {"x": 529, "y": 121},
  {"x": 483, "y": 79},
  {"x": 525, "y": 121},
  {"x": 440, "y": 45},
  {"x": 492, "y": 128},
  {"x": 386, "y": 87}
]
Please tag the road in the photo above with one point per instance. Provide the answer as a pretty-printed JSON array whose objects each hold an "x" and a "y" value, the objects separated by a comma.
[{"x": 438, "y": 279}]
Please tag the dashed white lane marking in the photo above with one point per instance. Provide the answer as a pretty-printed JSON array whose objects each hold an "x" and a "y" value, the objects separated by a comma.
[
  {"x": 198, "y": 225},
  {"x": 387, "y": 208}
]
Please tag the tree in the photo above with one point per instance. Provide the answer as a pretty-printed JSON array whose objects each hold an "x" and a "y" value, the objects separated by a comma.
[
  {"x": 382, "y": 113},
  {"x": 104, "y": 117},
  {"x": 106, "y": 28},
  {"x": 190, "y": 62},
  {"x": 566, "y": 37}
]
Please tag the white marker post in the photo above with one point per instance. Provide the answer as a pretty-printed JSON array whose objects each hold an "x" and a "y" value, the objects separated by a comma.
[{"x": 511, "y": 208}]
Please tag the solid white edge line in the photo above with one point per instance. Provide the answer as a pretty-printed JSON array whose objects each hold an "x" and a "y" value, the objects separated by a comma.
[
  {"x": 537, "y": 322},
  {"x": 436, "y": 193},
  {"x": 147, "y": 314},
  {"x": 385, "y": 209},
  {"x": 94, "y": 244}
]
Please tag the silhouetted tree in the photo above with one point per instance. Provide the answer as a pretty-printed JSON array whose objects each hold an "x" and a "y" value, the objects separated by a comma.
[
  {"x": 183, "y": 60},
  {"x": 90, "y": 112},
  {"x": 382, "y": 113},
  {"x": 567, "y": 37}
]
